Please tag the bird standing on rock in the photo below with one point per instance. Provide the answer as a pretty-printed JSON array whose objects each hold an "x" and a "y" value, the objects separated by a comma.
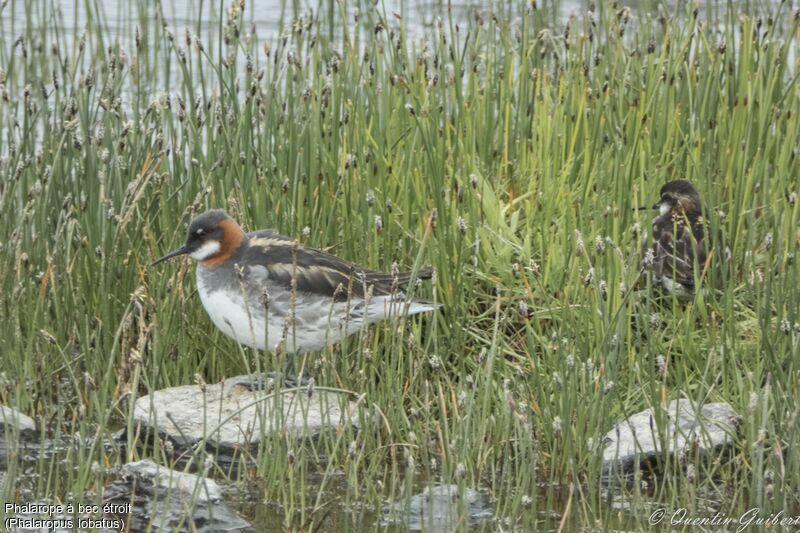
[{"x": 270, "y": 292}]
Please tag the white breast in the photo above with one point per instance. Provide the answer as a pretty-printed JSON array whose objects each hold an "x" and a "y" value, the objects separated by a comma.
[
  {"x": 318, "y": 321},
  {"x": 228, "y": 312},
  {"x": 316, "y": 324}
]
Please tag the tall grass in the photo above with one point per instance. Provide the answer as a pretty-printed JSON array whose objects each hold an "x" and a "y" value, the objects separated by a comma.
[{"x": 507, "y": 148}]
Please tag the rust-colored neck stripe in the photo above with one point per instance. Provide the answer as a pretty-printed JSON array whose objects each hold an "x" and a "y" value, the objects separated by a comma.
[{"x": 232, "y": 237}]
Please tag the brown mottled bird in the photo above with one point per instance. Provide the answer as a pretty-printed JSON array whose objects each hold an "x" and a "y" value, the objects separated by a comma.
[
  {"x": 681, "y": 250},
  {"x": 270, "y": 292}
]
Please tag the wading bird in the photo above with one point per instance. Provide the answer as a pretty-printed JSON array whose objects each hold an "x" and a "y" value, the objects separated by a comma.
[{"x": 270, "y": 292}]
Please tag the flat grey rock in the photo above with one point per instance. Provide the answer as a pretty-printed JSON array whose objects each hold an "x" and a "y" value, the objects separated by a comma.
[
  {"x": 239, "y": 411},
  {"x": 152, "y": 478},
  {"x": 12, "y": 421},
  {"x": 439, "y": 509},
  {"x": 709, "y": 429},
  {"x": 16, "y": 432},
  {"x": 168, "y": 500}
]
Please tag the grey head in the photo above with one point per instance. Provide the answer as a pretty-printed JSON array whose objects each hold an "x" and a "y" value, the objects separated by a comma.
[{"x": 210, "y": 234}]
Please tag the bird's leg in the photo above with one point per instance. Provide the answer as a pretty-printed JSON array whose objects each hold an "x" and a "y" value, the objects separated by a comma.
[
  {"x": 288, "y": 376},
  {"x": 291, "y": 379},
  {"x": 304, "y": 375}
]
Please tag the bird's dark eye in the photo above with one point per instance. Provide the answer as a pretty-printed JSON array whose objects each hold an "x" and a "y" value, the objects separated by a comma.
[{"x": 199, "y": 232}]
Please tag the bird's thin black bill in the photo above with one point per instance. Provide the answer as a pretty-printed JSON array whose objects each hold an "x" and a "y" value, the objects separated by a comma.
[{"x": 180, "y": 251}]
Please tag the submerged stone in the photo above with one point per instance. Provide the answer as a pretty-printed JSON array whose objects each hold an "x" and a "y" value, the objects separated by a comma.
[
  {"x": 637, "y": 443},
  {"x": 441, "y": 508},
  {"x": 15, "y": 430},
  {"x": 239, "y": 412},
  {"x": 12, "y": 421},
  {"x": 166, "y": 499}
]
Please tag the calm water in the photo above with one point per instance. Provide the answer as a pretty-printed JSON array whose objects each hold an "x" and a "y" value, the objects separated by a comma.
[
  {"x": 268, "y": 20},
  {"x": 269, "y": 17}
]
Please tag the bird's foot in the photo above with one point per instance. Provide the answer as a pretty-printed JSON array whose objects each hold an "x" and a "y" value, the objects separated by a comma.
[
  {"x": 294, "y": 381},
  {"x": 258, "y": 382},
  {"x": 268, "y": 381}
]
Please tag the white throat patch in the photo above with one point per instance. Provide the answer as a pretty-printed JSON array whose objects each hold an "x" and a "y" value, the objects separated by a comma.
[
  {"x": 663, "y": 208},
  {"x": 207, "y": 250}
]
